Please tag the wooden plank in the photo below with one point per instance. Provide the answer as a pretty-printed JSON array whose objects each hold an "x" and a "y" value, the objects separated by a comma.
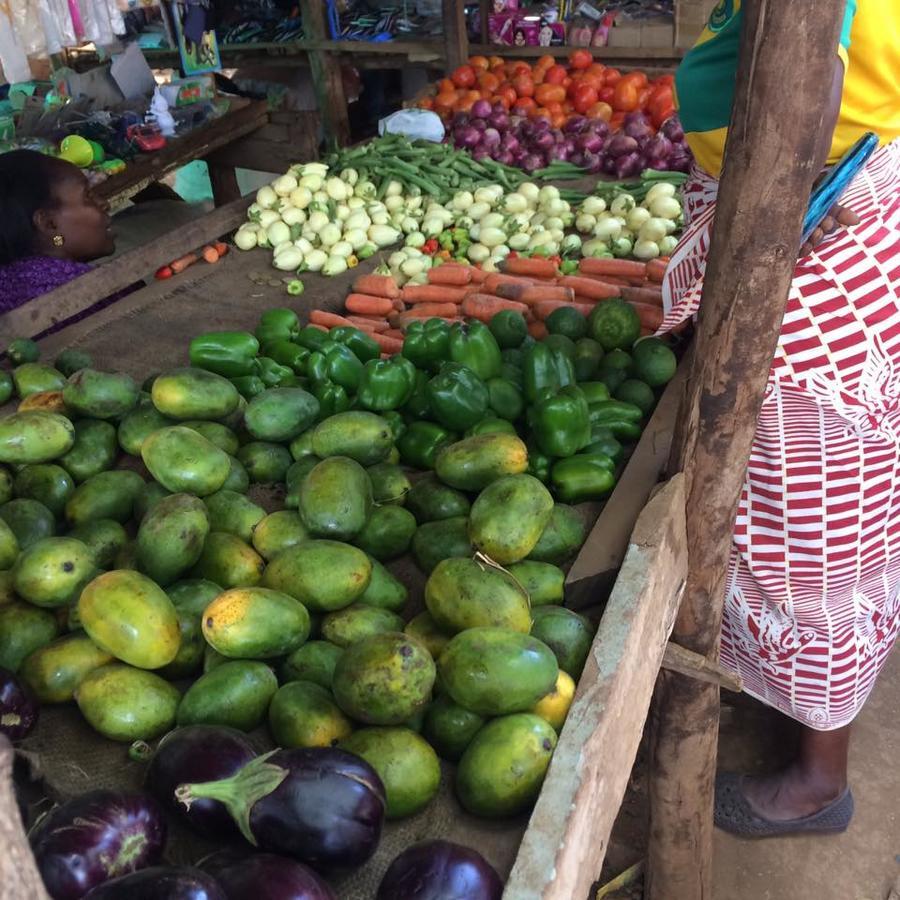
[
  {"x": 563, "y": 849},
  {"x": 276, "y": 146},
  {"x": 601, "y": 54},
  {"x": 244, "y": 118},
  {"x": 326, "y": 75},
  {"x": 456, "y": 38},
  {"x": 771, "y": 158},
  {"x": 686, "y": 662},
  {"x": 44, "y": 312}
]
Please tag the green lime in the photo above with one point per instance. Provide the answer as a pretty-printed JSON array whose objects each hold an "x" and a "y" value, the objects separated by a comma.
[
  {"x": 614, "y": 323},
  {"x": 509, "y": 328},
  {"x": 637, "y": 392},
  {"x": 22, "y": 350},
  {"x": 567, "y": 321},
  {"x": 654, "y": 363},
  {"x": 618, "y": 360},
  {"x": 612, "y": 378}
]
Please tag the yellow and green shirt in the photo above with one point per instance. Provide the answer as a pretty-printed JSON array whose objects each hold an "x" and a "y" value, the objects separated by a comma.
[{"x": 869, "y": 48}]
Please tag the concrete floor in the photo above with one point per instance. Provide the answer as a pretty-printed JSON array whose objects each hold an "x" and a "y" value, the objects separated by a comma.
[{"x": 861, "y": 864}]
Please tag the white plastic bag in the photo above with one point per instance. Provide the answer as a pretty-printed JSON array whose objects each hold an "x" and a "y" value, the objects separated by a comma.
[
  {"x": 416, "y": 124},
  {"x": 13, "y": 57}
]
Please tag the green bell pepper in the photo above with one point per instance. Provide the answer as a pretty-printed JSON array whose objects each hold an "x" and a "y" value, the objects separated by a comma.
[
  {"x": 228, "y": 353},
  {"x": 427, "y": 344},
  {"x": 271, "y": 372},
  {"x": 565, "y": 366},
  {"x": 586, "y": 476},
  {"x": 603, "y": 441},
  {"x": 363, "y": 346},
  {"x": 538, "y": 463},
  {"x": 622, "y": 419},
  {"x": 248, "y": 385},
  {"x": 418, "y": 406},
  {"x": 594, "y": 392},
  {"x": 491, "y": 425},
  {"x": 420, "y": 444},
  {"x": 287, "y": 353},
  {"x": 386, "y": 383},
  {"x": 395, "y": 420},
  {"x": 335, "y": 362},
  {"x": 458, "y": 397},
  {"x": 588, "y": 355},
  {"x": 512, "y": 375},
  {"x": 312, "y": 338},
  {"x": 561, "y": 422},
  {"x": 473, "y": 345},
  {"x": 505, "y": 399},
  {"x": 332, "y": 398},
  {"x": 539, "y": 372},
  {"x": 560, "y": 342},
  {"x": 277, "y": 324},
  {"x": 509, "y": 328},
  {"x": 513, "y": 356}
]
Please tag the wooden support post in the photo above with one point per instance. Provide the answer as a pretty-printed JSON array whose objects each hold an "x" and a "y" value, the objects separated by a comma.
[
  {"x": 455, "y": 35},
  {"x": 768, "y": 175},
  {"x": 326, "y": 75},
  {"x": 484, "y": 11},
  {"x": 223, "y": 179}
]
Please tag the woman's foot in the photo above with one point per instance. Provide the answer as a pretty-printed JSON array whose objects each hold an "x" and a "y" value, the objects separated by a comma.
[{"x": 793, "y": 793}]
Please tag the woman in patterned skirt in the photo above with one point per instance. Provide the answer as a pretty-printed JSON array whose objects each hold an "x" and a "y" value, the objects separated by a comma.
[{"x": 812, "y": 605}]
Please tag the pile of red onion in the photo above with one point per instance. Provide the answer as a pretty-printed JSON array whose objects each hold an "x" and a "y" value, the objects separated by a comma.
[{"x": 531, "y": 144}]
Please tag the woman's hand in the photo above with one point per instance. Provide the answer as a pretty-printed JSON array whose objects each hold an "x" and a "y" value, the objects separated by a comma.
[{"x": 838, "y": 217}]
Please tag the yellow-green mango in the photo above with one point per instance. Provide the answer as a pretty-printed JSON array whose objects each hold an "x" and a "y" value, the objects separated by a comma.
[
  {"x": 233, "y": 513},
  {"x": 449, "y": 728},
  {"x": 37, "y": 378},
  {"x": 138, "y": 425},
  {"x": 562, "y": 538},
  {"x": 383, "y": 590},
  {"x": 106, "y": 495},
  {"x": 23, "y": 629},
  {"x": 127, "y": 704},
  {"x": 34, "y": 437},
  {"x": 280, "y": 414},
  {"x": 228, "y": 561},
  {"x": 128, "y": 615},
  {"x": 7, "y": 594},
  {"x": 336, "y": 498},
  {"x": 314, "y": 661},
  {"x": 346, "y": 626},
  {"x": 52, "y": 572},
  {"x": 95, "y": 449},
  {"x": 55, "y": 671},
  {"x": 567, "y": 634},
  {"x": 278, "y": 531},
  {"x": 101, "y": 395},
  {"x": 29, "y": 520},
  {"x": 361, "y": 436},
  {"x": 238, "y": 479},
  {"x": 190, "y": 393},
  {"x": 104, "y": 538},
  {"x": 148, "y": 496},
  {"x": 390, "y": 484},
  {"x": 182, "y": 460},
  {"x": 303, "y": 714},
  {"x": 543, "y": 582},
  {"x": 47, "y": 483},
  {"x": 6, "y": 485},
  {"x": 9, "y": 546},
  {"x": 216, "y": 433},
  {"x": 264, "y": 461},
  {"x": 387, "y": 533},
  {"x": 235, "y": 694},
  {"x": 423, "y": 628},
  {"x": 171, "y": 537},
  {"x": 474, "y": 462}
]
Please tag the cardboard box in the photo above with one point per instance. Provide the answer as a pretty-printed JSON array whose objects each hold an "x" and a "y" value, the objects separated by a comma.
[
  {"x": 625, "y": 34},
  {"x": 658, "y": 33}
]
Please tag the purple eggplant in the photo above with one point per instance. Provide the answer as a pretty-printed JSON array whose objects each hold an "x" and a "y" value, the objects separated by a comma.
[
  {"x": 198, "y": 753},
  {"x": 95, "y": 837},
  {"x": 321, "y": 805},
  {"x": 440, "y": 870},
  {"x": 18, "y": 709},
  {"x": 161, "y": 883},
  {"x": 265, "y": 876}
]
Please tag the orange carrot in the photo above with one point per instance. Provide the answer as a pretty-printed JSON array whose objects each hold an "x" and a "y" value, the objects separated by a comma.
[
  {"x": 478, "y": 275},
  {"x": 221, "y": 248},
  {"x": 210, "y": 254},
  {"x": 180, "y": 264},
  {"x": 369, "y": 323},
  {"x": 432, "y": 293},
  {"x": 592, "y": 288},
  {"x": 318, "y": 327},
  {"x": 399, "y": 305},
  {"x": 376, "y": 285},
  {"x": 535, "y": 266},
  {"x": 367, "y": 305},
  {"x": 538, "y": 330},
  {"x": 327, "y": 319},
  {"x": 650, "y": 316},
  {"x": 656, "y": 270},
  {"x": 530, "y": 294},
  {"x": 453, "y": 276},
  {"x": 388, "y": 344},
  {"x": 485, "y": 307},
  {"x": 394, "y": 333},
  {"x": 433, "y": 310},
  {"x": 545, "y": 307},
  {"x": 624, "y": 268},
  {"x": 495, "y": 279},
  {"x": 650, "y": 294}
]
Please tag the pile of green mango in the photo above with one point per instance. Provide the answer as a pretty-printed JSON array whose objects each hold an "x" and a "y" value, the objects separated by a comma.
[{"x": 141, "y": 580}]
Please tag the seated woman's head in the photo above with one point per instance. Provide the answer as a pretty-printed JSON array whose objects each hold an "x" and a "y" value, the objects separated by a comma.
[{"x": 48, "y": 209}]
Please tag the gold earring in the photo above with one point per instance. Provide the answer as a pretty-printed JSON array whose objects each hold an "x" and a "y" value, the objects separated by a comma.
[{"x": 58, "y": 240}]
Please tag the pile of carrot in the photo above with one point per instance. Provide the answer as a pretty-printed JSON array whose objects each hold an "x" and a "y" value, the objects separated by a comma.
[
  {"x": 531, "y": 286},
  {"x": 211, "y": 253}
]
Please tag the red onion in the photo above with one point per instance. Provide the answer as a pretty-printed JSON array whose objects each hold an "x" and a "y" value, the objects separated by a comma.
[
  {"x": 557, "y": 152},
  {"x": 672, "y": 129},
  {"x": 570, "y": 145},
  {"x": 505, "y": 158},
  {"x": 661, "y": 165},
  {"x": 680, "y": 160},
  {"x": 459, "y": 119},
  {"x": 543, "y": 141},
  {"x": 467, "y": 136},
  {"x": 609, "y": 165},
  {"x": 599, "y": 127},
  {"x": 478, "y": 124},
  {"x": 499, "y": 120},
  {"x": 533, "y": 162},
  {"x": 658, "y": 147},
  {"x": 479, "y": 153},
  {"x": 498, "y": 107},
  {"x": 490, "y": 138},
  {"x": 481, "y": 109},
  {"x": 509, "y": 142},
  {"x": 621, "y": 145},
  {"x": 628, "y": 165},
  {"x": 593, "y": 162},
  {"x": 541, "y": 123},
  {"x": 590, "y": 142},
  {"x": 577, "y": 158},
  {"x": 636, "y": 125},
  {"x": 576, "y": 125}
]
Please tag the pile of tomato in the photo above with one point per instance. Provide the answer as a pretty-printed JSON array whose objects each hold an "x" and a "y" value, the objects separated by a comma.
[{"x": 584, "y": 87}]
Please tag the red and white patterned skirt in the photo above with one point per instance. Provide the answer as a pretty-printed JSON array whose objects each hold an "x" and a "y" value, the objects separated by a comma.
[{"x": 812, "y": 606}]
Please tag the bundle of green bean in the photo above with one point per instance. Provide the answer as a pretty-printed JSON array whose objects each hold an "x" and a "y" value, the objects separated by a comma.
[
  {"x": 438, "y": 170},
  {"x": 609, "y": 190}
]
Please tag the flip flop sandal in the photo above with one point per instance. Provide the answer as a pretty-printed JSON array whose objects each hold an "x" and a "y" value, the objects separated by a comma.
[{"x": 734, "y": 814}]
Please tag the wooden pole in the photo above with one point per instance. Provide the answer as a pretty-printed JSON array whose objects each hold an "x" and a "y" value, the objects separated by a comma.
[
  {"x": 768, "y": 175},
  {"x": 456, "y": 37}
]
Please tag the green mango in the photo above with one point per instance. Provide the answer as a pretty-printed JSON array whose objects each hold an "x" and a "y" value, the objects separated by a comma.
[
  {"x": 352, "y": 623},
  {"x": 148, "y": 496},
  {"x": 503, "y": 768},
  {"x": 280, "y": 414},
  {"x": 384, "y": 679},
  {"x": 389, "y": 484},
  {"x": 52, "y": 571},
  {"x": 70, "y": 360},
  {"x": 361, "y": 436},
  {"x": 100, "y": 395},
  {"x": 474, "y": 462},
  {"x": 567, "y": 634},
  {"x": 278, "y": 531},
  {"x": 6, "y": 485},
  {"x": 302, "y": 446},
  {"x": 423, "y": 628},
  {"x": 35, "y": 378},
  {"x": 439, "y": 540},
  {"x": 190, "y": 393},
  {"x": 543, "y": 582},
  {"x": 127, "y": 704},
  {"x": 336, "y": 498},
  {"x": 322, "y": 575},
  {"x": 7, "y": 594},
  {"x": 212, "y": 660},
  {"x": 238, "y": 480},
  {"x": 216, "y": 433},
  {"x": 449, "y": 728},
  {"x": 183, "y": 461},
  {"x": 303, "y": 714},
  {"x": 23, "y": 629},
  {"x": 228, "y": 561},
  {"x": 48, "y": 484},
  {"x": 9, "y": 546},
  {"x": 138, "y": 425},
  {"x": 430, "y": 501},
  {"x": 233, "y": 513},
  {"x": 384, "y": 591},
  {"x": 314, "y": 661},
  {"x": 94, "y": 451},
  {"x": 193, "y": 595},
  {"x": 106, "y": 495},
  {"x": 294, "y": 478},
  {"x": 265, "y": 462},
  {"x": 235, "y": 694},
  {"x": 171, "y": 537},
  {"x": 103, "y": 537},
  {"x": 387, "y": 533},
  {"x": 562, "y": 537},
  {"x": 34, "y": 437},
  {"x": 29, "y": 521},
  {"x": 54, "y": 671}
]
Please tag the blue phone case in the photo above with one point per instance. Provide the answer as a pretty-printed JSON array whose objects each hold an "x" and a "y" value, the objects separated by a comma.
[{"x": 833, "y": 185}]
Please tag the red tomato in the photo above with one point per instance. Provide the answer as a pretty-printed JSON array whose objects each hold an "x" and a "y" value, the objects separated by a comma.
[
  {"x": 445, "y": 86},
  {"x": 626, "y": 96},
  {"x": 661, "y": 104},
  {"x": 545, "y": 62},
  {"x": 445, "y": 103},
  {"x": 617, "y": 121},
  {"x": 611, "y": 76},
  {"x": 479, "y": 62},
  {"x": 523, "y": 106},
  {"x": 644, "y": 95},
  {"x": 585, "y": 97},
  {"x": 487, "y": 81},
  {"x": 521, "y": 68},
  {"x": 665, "y": 80},
  {"x": 638, "y": 77},
  {"x": 523, "y": 85},
  {"x": 546, "y": 94},
  {"x": 607, "y": 93},
  {"x": 601, "y": 111},
  {"x": 463, "y": 77},
  {"x": 556, "y": 75},
  {"x": 580, "y": 59},
  {"x": 507, "y": 95}
]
